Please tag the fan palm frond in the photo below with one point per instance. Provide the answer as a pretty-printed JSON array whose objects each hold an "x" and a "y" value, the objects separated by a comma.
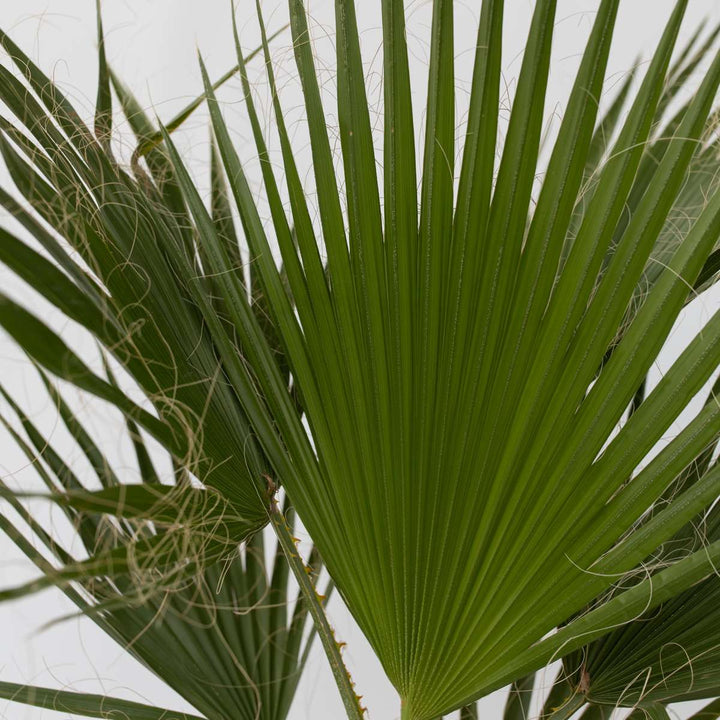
[
  {"x": 450, "y": 384},
  {"x": 230, "y": 637}
]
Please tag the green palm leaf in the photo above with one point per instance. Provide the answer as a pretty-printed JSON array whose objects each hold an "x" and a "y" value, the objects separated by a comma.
[
  {"x": 87, "y": 705},
  {"x": 233, "y": 638},
  {"x": 480, "y": 375},
  {"x": 451, "y": 401},
  {"x": 153, "y": 352},
  {"x": 229, "y": 637},
  {"x": 673, "y": 653}
]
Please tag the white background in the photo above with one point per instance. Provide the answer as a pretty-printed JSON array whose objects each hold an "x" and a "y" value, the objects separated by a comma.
[{"x": 152, "y": 45}]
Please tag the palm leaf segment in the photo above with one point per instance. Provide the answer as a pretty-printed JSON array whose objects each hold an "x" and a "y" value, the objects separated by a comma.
[
  {"x": 165, "y": 578},
  {"x": 133, "y": 242},
  {"x": 672, "y": 653},
  {"x": 230, "y": 637},
  {"x": 450, "y": 396},
  {"x": 463, "y": 368}
]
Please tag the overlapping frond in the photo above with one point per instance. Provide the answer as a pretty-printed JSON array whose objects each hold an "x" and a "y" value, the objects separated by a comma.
[
  {"x": 470, "y": 362},
  {"x": 163, "y": 573},
  {"x": 164, "y": 577},
  {"x": 457, "y": 420},
  {"x": 672, "y": 653},
  {"x": 135, "y": 242}
]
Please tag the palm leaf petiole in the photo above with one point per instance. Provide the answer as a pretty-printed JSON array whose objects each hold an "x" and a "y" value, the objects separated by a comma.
[{"x": 351, "y": 700}]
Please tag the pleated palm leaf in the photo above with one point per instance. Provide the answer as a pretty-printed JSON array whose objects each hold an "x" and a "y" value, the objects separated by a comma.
[
  {"x": 671, "y": 654},
  {"x": 567, "y": 695},
  {"x": 165, "y": 578},
  {"x": 465, "y": 359},
  {"x": 228, "y": 637},
  {"x": 453, "y": 408}
]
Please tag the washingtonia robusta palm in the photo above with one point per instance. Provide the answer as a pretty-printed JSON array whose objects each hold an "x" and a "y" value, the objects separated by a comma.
[
  {"x": 221, "y": 634},
  {"x": 449, "y": 384}
]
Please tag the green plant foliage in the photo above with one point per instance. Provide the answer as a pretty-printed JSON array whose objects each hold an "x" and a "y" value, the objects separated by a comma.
[
  {"x": 86, "y": 705},
  {"x": 140, "y": 310},
  {"x": 230, "y": 637},
  {"x": 446, "y": 372},
  {"x": 517, "y": 706},
  {"x": 164, "y": 577},
  {"x": 672, "y": 653},
  {"x": 467, "y": 329}
]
